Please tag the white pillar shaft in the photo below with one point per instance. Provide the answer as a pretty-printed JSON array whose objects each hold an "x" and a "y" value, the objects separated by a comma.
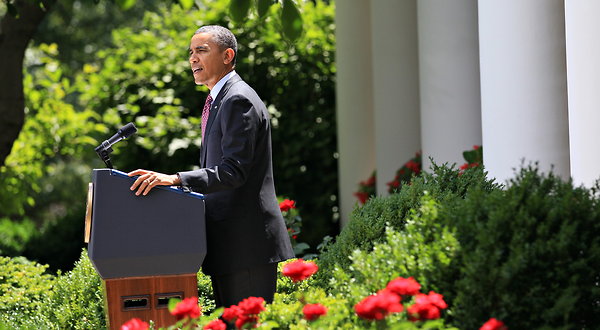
[
  {"x": 395, "y": 86},
  {"x": 449, "y": 79},
  {"x": 583, "y": 68},
  {"x": 523, "y": 85},
  {"x": 354, "y": 97}
]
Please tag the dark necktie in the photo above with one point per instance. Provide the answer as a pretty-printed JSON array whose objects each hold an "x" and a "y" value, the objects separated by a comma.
[{"x": 205, "y": 114}]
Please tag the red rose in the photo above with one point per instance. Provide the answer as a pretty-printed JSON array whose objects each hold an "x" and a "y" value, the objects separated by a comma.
[
  {"x": 413, "y": 166},
  {"x": 188, "y": 307},
  {"x": 437, "y": 300},
  {"x": 475, "y": 147},
  {"x": 250, "y": 319},
  {"x": 378, "y": 306},
  {"x": 300, "y": 270},
  {"x": 252, "y": 305},
  {"x": 362, "y": 196},
  {"x": 232, "y": 313},
  {"x": 464, "y": 166},
  {"x": 493, "y": 324},
  {"x": 215, "y": 325},
  {"x": 313, "y": 311},
  {"x": 404, "y": 286},
  {"x": 286, "y": 205},
  {"x": 135, "y": 324},
  {"x": 427, "y": 307}
]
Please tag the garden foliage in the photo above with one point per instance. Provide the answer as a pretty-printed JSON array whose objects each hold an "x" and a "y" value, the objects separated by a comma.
[
  {"x": 530, "y": 254},
  {"x": 368, "y": 223}
]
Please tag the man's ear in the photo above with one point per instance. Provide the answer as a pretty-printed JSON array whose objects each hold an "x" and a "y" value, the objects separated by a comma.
[{"x": 228, "y": 56}]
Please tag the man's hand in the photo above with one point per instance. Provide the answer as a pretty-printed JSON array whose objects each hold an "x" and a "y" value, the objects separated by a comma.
[{"x": 149, "y": 180}]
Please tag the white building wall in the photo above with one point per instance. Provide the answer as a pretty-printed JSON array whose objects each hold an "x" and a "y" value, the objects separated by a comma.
[
  {"x": 395, "y": 86},
  {"x": 523, "y": 85},
  {"x": 583, "y": 71},
  {"x": 354, "y": 97},
  {"x": 449, "y": 78}
]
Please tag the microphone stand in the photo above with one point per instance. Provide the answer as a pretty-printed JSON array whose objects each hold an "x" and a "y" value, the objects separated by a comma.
[{"x": 103, "y": 152}]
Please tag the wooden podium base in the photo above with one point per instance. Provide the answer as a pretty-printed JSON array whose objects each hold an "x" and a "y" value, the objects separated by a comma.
[{"x": 146, "y": 298}]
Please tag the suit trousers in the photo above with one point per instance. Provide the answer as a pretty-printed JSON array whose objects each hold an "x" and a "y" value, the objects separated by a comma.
[{"x": 260, "y": 281}]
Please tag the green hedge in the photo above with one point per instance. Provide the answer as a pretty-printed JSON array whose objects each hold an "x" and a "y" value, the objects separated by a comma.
[
  {"x": 530, "y": 254},
  {"x": 367, "y": 223}
]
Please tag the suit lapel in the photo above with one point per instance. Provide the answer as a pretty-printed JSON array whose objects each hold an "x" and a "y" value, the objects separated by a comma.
[{"x": 214, "y": 109}]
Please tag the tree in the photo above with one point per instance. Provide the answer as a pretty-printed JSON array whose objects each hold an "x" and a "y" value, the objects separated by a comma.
[{"x": 17, "y": 27}]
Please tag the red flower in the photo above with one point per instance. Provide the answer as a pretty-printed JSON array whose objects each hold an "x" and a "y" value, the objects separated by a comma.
[
  {"x": 135, "y": 324},
  {"x": 427, "y": 307},
  {"x": 286, "y": 205},
  {"x": 243, "y": 319},
  {"x": 362, "y": 196},
  {"x": 394, "y": 184},
  {"x": 314, "y": 311},
  {"x": 300, "y": 270},
  {"x": 475, "y": 147},
  {"x": 378, "y": 306},
  {"x": 413, "y": 166},
  {"x": 232, "y": 313},
  {"x": 215, "y": 325},
  {"x": 493, "y": 324},
  {"x": 188, "y": 307},
  {"x": 252, "y": 305},
  {"x": 404, "y": 286}
]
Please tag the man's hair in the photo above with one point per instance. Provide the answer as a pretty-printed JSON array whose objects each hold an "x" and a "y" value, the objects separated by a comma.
[{"x": 222, "y": 37}]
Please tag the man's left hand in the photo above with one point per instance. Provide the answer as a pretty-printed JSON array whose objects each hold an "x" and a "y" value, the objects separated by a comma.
[{"x": 150, "y": 179}]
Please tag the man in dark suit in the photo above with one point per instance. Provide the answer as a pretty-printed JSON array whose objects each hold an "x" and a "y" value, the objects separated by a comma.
[{"x": 246, "y": 234}]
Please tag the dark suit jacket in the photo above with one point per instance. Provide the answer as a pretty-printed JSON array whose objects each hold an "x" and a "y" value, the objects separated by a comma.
[{"x": 244, "y": 225}]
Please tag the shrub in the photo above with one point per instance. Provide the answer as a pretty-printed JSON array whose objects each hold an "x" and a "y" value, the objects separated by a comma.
[
  {"x": 530, "y": 254},
  {"x": 14, "y": 236},
  {"x": 23, "y": 286},
  {"x": 76, "y": 301},
  {"x": 424, "y": 250},
  {"x": 368, "y": 223}
]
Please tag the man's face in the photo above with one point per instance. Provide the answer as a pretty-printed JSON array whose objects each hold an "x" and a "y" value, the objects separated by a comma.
[{"x": 209, "y": 64}]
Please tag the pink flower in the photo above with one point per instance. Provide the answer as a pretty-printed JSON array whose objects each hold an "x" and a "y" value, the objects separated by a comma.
[
  {"x": 188, "y": 307},
  {"x": 313, "y": 311},
  {"x": 215, "y": 325},
  {"x": 300, "y": 270},
  {"x": 493, "y": 324},
  {"x": 135, "y": 324},
  {"x": 286, "y": 205},
  {"x": 404, "y": 286},
  {"x": 252, "y": 305},
  {"x": 378, "y": 306}
]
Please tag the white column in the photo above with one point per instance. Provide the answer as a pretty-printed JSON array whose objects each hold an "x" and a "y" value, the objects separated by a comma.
[
  {"x": 523, "y": 85},
  {"x": 449, "y": 77},
  {"x": 395, "y": 85},
  {"x": 583, "y": 72},
  {"x": 354, "y": 97}
]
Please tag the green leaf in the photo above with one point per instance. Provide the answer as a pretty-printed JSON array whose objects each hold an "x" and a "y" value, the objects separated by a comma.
[
  {"x": 186, "y": 4},
  {"x": 238, "y": 9},
  {"x": 291, "y": 20},
  {"x": 172, "y": 303},
  {"x": 125, "y": 4},
  {"x": 263, "y": 7}
]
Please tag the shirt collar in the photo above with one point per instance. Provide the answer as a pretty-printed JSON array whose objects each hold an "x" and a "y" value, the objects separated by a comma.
[{"x": 219, "y": 85}]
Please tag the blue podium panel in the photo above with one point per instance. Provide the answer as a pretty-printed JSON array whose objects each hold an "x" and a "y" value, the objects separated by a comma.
[{"x": 162, "y": 233}]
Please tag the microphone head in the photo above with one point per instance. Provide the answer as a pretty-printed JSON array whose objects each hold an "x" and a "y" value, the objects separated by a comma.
[{"x": 127, "y": 130}]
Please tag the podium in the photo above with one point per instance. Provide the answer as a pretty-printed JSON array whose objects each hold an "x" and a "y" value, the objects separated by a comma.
[{"x": 147, "y": 249}]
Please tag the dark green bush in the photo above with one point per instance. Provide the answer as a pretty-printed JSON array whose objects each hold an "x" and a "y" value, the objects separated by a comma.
[
  {"x": 530, "y": 254},
  {"x": 368, "y": 223}
]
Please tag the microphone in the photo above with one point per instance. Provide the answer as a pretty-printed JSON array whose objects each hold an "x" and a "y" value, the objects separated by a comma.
[
  {"x": 123, "y": 133},
  {"x": 104, "y": 149}
]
